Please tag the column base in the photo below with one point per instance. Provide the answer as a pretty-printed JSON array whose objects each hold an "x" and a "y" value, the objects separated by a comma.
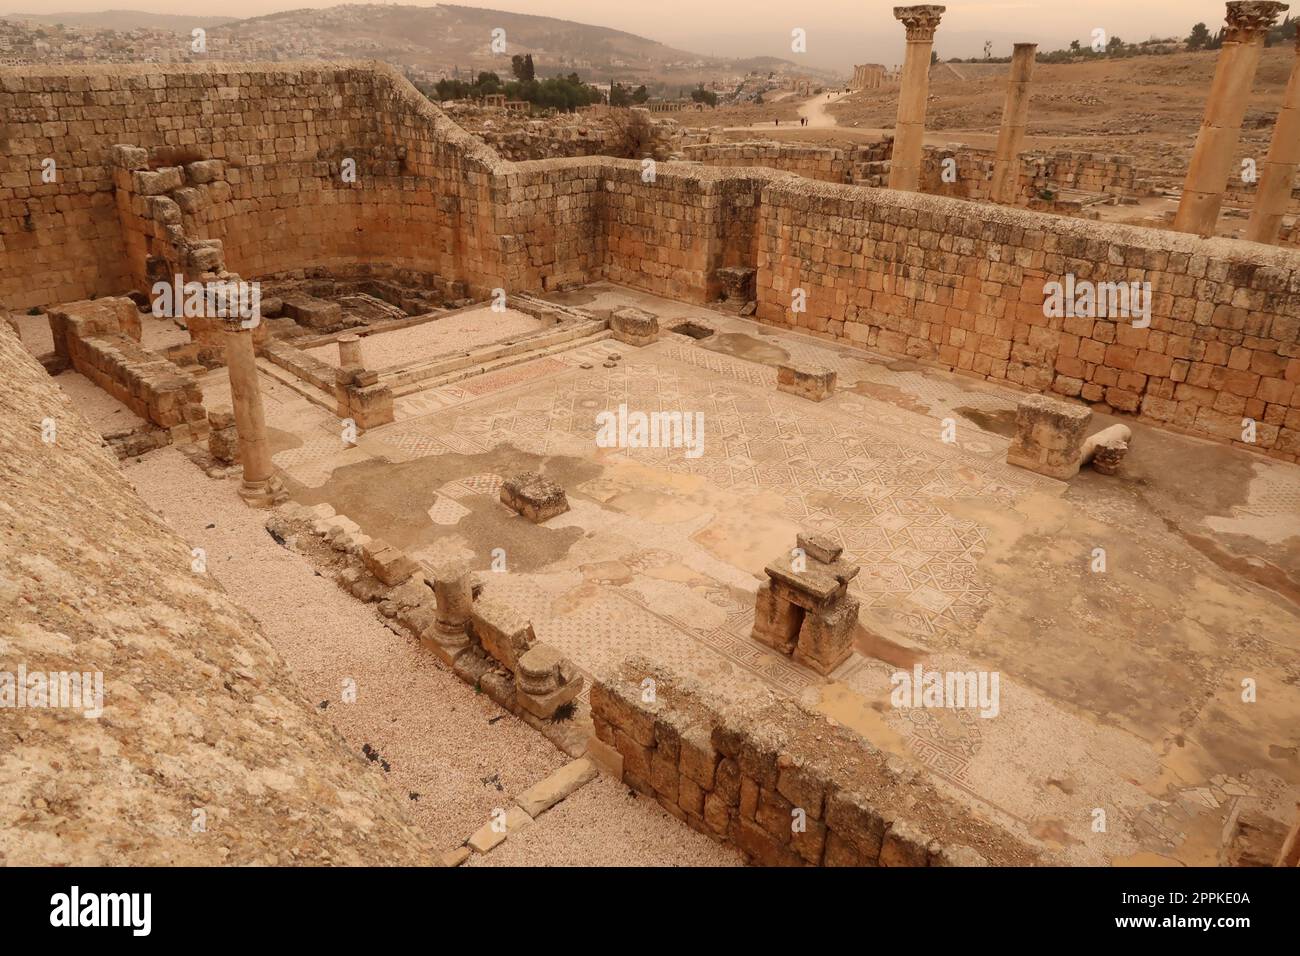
[{"x": 263, "y": 494}]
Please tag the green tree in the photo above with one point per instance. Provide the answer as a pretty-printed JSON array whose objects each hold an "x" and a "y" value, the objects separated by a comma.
[
  {"x": 701, "y": 95},
  {"x": 1199, "y": 37}
]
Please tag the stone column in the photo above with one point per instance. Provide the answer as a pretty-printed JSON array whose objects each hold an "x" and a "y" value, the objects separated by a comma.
[
  {"x": 350, "y": 351},
  {"x": 1216, "y": 144},
  {"x": 1015, "y": 113},
  {"x": 258, "y": 488},
  {"x": 909, "y": 132},
  {"x": 1280, "y": 167}
]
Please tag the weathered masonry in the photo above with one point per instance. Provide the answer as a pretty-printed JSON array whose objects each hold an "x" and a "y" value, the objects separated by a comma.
[{"x": 933, "y": 278}]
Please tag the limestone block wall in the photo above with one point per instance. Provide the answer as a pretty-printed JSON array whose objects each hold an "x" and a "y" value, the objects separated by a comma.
[
  {"x": 927, "y": 277},
  {"x": 745, "y": 774},
  {"x": 1039, "y": 173},
  {"x": 92, "y": 338},
  {"x": 938, "y": 279},
  {"x": 421, "y": 195},
  {"x": 199, "y": 713},
  {"x": 546, "y": 221},
  {"x": 670, "y": 236},
  {"x": 815, "y": 162}
]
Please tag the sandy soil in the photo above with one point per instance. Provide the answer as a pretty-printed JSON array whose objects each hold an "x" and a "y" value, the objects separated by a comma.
[
  {"x": 420, "y": 343},
  {"x": 101, "y": 409},
  {"x": 1148, "y": 107}
]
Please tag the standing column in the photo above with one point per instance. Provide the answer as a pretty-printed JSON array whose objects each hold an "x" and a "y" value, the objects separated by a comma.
[
  {"x": 1216, "y": 145},
  {"x": 1275, "y": 184},
  {"x": 259, "y": 487},
  {"x": 1015, "y": 114},
  {"x": 909, "y": 132}
]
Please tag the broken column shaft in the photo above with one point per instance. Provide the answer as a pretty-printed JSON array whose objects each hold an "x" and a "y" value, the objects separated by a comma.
[
  {"x": 1015, "y": 114},
  {"x": 1278, "y": 177},
  {"x": 1216, "y": 144}
]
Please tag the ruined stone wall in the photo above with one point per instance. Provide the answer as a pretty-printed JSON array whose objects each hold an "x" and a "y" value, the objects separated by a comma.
[
  {"x": 283, "y": 131},
  {"x": 963, "y": 286},
  {"x": 198, "y": 710},
  {"x": 823, "y": 163},
  {"x": 1041, "y": 174},
  {"x": 938, "y": 279},
  {"x": 92, "y": 337},
  {"x": 783, "y": 785}
]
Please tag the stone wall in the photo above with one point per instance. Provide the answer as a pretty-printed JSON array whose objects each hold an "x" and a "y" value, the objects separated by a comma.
[
  {"x": 199, "y": 713},
  {"x": 787, "y": 787},
  {"x": 824, "y": 163},
  {"x": 921, "y": 276},
  {"x": 1042, "y": 175},
  {"x": 930, "y": 277},
  {"x": 283, "y": 131},
  {"x": 99, "y": 340}
]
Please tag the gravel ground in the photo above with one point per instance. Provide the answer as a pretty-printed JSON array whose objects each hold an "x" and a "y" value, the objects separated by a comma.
[
  {"x": 602, "y": 825},
  {"x": 447, "y": 336},
  {"x": 457, "y": 750},
  {"x": 104, "y": 412}
]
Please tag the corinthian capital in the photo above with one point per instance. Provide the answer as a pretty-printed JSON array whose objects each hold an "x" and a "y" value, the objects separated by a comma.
[
  {"x": 921, "y": 21},
  {"x": 1248, "y": 19}
]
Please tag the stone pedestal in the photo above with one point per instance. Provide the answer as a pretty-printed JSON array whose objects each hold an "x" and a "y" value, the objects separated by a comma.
[
  {"x": 545, "y": 681},
  {"x": 634, "y": 326},
  {"x": 1049, "y": 436},
  {"x": 909, "y": 132},
  {"x": 350, "y": 351},
  {"x": 505, "y": 634},
  {"x": 804, "y": 610},
  {"x": 1015, "y": 114},
  {"x": 807, "y": 381},
  {"x": 1278, "y": 176},
  {"x": 389, "y": 565},
  {"x": 1216, "y": 144},
  {"x": 536, "y": 498},
  {"x": 260, "y": 487}
]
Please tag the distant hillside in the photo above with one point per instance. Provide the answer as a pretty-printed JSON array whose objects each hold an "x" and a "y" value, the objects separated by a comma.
[
  {"x": 123, "y": 20},
  {"x": 449, "y": 36}
]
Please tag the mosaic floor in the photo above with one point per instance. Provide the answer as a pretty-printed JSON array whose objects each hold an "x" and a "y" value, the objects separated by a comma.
[{"x": 662, "y": 552}]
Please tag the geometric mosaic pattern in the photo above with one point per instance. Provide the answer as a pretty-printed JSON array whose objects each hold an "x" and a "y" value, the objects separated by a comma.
[{"x": 865, "y": 475}]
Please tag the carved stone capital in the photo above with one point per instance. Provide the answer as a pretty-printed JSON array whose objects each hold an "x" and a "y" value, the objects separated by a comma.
[
  {"x": 1249, "y": 19},
  {"x": 921, "y": 21}
]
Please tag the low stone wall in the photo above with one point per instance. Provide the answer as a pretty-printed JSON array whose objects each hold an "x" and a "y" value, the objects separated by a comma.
[
  {"x": 94, "y": 338},
  {"x": 815, "y": 162},
  {"x": 1042, "y": 175},
  {"x": 786, "y": 787}
]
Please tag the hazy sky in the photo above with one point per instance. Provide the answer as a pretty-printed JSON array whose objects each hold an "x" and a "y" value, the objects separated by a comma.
[{"x": 839, "y": 31}]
